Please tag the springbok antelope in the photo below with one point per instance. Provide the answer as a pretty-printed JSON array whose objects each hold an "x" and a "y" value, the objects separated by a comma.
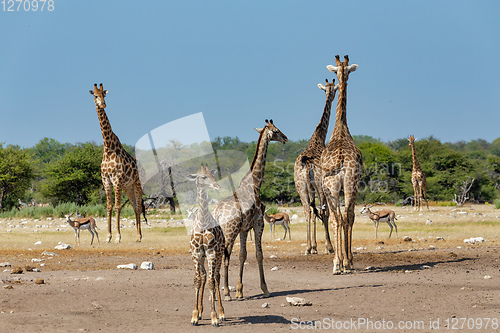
[
  {"x": 277, "y": 219},
  {"x": 82, "y": 223},
  {"x": 386, "y": 215}
]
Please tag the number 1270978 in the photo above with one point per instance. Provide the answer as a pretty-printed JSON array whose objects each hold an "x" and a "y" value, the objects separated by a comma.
[{"x": 27, "y": 5}]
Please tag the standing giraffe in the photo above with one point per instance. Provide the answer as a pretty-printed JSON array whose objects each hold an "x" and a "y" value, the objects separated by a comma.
[
  {"x": 207, "y": 240},
  {"x": 307, "y": 174},
  {"x": 119, "y": 170},
  {"x": 342, "y": 165},
  {"x": 243, "y": 211},
  {"x": 417, "y": 178}
]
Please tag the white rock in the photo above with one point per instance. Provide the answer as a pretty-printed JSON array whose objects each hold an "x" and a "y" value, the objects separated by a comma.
[
  {"x": 5, "y": 264},
  {"x": 266, "y": 305},
  {"x": 147, "y": 265},
  {"x": 37, "y": 260},
  {"x": 487, "y": 277},
  {"x": 432, "y": 247},
  {"x": 297, "y": 301},
  {"x": 462, "y": 213},
  {"x": 128, "y": 266},
  {"x": 62, "y": 246},
  {"x": 47, "y": 253},
  {"x": 275, "y": 268},
  {"x": 273, "y": 256},
  {"x": 295, "y": 216},
  {"x": 474, "y": 240},
  {"x": 428, "y": 222},
  {"x": 38, "y": 243}
]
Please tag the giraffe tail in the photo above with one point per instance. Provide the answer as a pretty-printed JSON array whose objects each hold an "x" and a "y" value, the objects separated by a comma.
[{"x": 144, "y": 211}]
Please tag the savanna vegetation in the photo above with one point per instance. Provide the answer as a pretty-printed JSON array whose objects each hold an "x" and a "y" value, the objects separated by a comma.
[{"x": 61, "y": 173}]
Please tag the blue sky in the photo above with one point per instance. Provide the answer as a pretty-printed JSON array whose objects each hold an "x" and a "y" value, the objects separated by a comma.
[{"x": 425, "y": 67}]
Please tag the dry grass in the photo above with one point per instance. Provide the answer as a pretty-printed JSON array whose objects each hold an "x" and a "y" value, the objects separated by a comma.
[{"x": 481, "y": 220}]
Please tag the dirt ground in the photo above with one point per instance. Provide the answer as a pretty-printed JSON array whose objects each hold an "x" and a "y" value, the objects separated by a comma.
[{"x": 449, "y": 286}]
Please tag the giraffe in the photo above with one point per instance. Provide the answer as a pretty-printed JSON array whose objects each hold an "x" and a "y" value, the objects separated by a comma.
[
  {"x": 341, "y": 165},
  {"x": 243, "y": 211},
  {"x": 307, "y": 175},
  {"x": 417, "y": 178},
  {"x": 207, "y": 240},
  {"x": 119, "y": 170}
]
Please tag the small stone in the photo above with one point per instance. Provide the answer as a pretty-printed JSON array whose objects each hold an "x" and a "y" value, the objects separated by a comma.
[
  {"x": 8, "y": 287},
  {"x": 128, "y": 266},
  {"x": 266, "y": 305},
  {"x": 96, "y": 305},
  {"x": 407, "y": 239},
  {"x": 275, "y": 268},
  {"x": 487, "y": 277},
  {"x": 4, "y": 264},
  {"x": 147, "y": 265},
  {"x": 297, "y": 301},
  {"x": 39, "y": 281},
  {"x": 16, "y": 270}
]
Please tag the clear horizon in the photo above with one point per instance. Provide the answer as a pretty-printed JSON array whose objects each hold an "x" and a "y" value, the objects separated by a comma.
[{"x": 425, "y": 68}]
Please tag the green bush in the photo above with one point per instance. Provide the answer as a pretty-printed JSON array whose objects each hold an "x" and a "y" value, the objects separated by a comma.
[{"x": 497, "y": 203}]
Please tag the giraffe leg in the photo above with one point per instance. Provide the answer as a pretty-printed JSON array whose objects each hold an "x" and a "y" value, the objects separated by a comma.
[
  {"x": 135, "y": 199},
  {"x": 108, "y": 187},
  {"x": 307, "y": 213},
  {"x": 198, "y": 291},
  {"x": 331, "y": 186},
  {"x": 259, "y": 227},
  {"x": 243, "y": 258},
  {"x": 211, "y": 285},
  {"x": 118, "y": 209},
  {"x": 324, "y": 220},
  {"x": 314, "y": 245},
  {"x": 229, "y": 247}
]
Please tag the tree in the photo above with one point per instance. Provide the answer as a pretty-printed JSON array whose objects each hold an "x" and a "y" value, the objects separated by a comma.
[
  {"x": 76, "y": 177},
  {"x": 16, "y": 173}
]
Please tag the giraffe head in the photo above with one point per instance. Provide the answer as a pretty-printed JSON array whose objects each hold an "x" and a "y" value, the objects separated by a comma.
[
  {"x": 272, "y": 133},
  {"x": 204, "y": 177},
  {"x": 329, "y": 88},
  {"x": 342, "y": 69},
  {"x": 99, "y": 94},
  {"x": 412, "y": 140}
]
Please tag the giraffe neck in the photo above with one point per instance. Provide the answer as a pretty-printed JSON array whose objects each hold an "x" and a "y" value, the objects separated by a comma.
[
  {"x": 203, "y": 219},
  {"x": 259, "y": 161},
  {"x": 110, "y": 140},
  {"x": 416, "y": 166},
  {"x": 341, "y": 130},
  {"x": 319, "y": 135}
]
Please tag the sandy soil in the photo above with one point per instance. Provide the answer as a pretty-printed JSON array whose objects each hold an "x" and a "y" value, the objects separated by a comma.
[{"x": 408, "y": 288}]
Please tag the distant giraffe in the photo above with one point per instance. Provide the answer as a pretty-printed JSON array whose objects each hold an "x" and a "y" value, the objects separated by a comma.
[
  {"x": 243, "y": 210},
  {"x": 119, "y": 170},
  {"x": 207, "y": 240},
  {"x": 417, "y": 178},
  {"x": 307, "y": 174},
  {"x": 342, "y": 166}
]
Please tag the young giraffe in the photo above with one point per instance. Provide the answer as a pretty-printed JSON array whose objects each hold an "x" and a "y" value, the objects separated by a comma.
[
  {"x": 243, "y": 211},
  {"x": 307, "y": 175},
  {"x": 207, "y": 240},
  {"x": 342, "y": 165},
  {"x": 119, "y": 170},
  {"x": 417, "y": 178}
]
